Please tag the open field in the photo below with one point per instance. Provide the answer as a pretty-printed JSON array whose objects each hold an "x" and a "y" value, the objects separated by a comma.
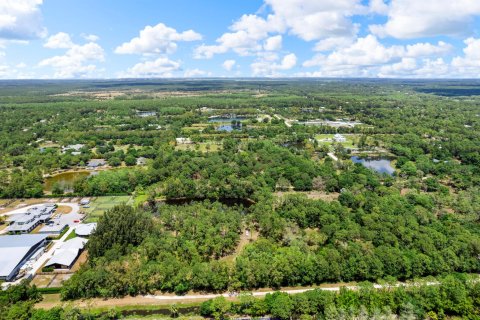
[
  {"x": 202, "y": 146},
  {"x": 99, "y": 205}
]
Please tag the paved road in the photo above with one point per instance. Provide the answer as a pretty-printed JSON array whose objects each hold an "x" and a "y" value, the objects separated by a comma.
[
  {"x": 331, "y": 155},
  {"x": 291, "y": 291},
  {"x": 288, "y": 122}
]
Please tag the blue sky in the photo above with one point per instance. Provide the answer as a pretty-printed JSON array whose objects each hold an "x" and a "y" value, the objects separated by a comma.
[{"x": 239, "y": 38}]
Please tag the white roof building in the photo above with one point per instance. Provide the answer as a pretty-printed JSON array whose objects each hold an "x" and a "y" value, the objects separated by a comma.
[
  {"x": 84, "y": 230},
  {"x": 15, "y": 250},
  {"x": 65, "y": 256},
  {"x": 339, "y": 138},
  {"x": 183, "y": 140}
]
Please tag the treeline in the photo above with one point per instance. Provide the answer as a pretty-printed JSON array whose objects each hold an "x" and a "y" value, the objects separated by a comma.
[{"x": 450, "y": 297}]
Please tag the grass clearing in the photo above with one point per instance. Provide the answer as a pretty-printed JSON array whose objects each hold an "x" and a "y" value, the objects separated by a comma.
[
  {"x": 201, "y": 146},
  {"x": 328, "y": 140}
]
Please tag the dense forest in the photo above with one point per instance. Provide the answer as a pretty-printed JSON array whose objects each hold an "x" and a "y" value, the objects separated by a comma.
[{"x": 253, "y": 184}]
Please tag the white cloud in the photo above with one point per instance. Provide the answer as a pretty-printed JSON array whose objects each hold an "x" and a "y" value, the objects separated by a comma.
[
  {"x": 90, "y": 37},
  {"x": 157, "y": 40},
  {"x": 271, "y": 68},
  {"x": 21, "y": 19},
  {"x": 333, "y": 43},
  {"x": 428, "y": 49},
  {"x": 229, "y": 64},
  {"x": 471, "y": 56},
  {"x": 367, "y": 57},
  {"x": 160, "y": 68},
  {"x": 193, "y": 73},
  {"x": 78, "y": 61},
  {"x": 314, "y": 19},
  {"x": 378, "y": 6},
  {"x": 273, "y": 43},
  {"x": 415, "y": 19},
  {"x": 247, "y": 32},
  {"x": 60, "y": 40}
]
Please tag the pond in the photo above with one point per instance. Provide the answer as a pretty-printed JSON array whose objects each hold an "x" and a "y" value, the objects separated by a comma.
[
  {"x": 66, "y": 179},
  {"x": 380, "y": 165},
  {"x": 230, "y": 127}
]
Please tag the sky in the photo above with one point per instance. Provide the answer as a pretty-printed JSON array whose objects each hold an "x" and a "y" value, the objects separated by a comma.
[{"x": 75, "y": 39}]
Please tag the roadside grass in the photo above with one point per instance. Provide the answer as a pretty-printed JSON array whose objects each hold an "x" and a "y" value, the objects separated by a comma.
[
  {"x": 72, "y": 235},
  {"x": 99, "y": 205}
]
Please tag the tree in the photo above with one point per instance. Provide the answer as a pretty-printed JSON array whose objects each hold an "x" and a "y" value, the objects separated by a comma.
[{"x": 130, "y": 160}]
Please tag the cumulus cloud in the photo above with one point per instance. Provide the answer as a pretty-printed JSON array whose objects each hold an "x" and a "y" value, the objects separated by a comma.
[
  {"x": 415, "y": 19},
  {"x": 60, "y": 40},
  {"x": 368, "y": 57},
  {"x": 314, "y": 20},
  {"x": 21, "y": 19},
  {"x": 273, "y": 43},
  {"x": 158, "y": 39},
  {"x": 194, "y": 73},
  {"x": 90, "y": 37},
  {"x": 228, "y": 64},
  {"x": 244, "y": 38},
  {"x": 162, "y": 67},
  {"x": 78, "y": 61},
  {"x": 272, "y": 68}
]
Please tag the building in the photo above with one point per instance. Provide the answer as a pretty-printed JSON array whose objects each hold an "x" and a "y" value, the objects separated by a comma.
[
  {"x": 73, "y": 147},
  {"x": 16, "y": 251},
  {"x": 25, "y": 222},
  {"x": 65, "y": 256},
  {"x": 95, "y": 163},
  {"x": 145, "y": 114},
  {"x": 141, "y": 161},
  {"x": 339, "y": 138},
  {"x": 53, "y": 229},
  {"x": 85, "y": 230},
  {"x": 183, "y": 141}
]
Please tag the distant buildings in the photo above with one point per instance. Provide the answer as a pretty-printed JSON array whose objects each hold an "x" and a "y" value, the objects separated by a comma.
[
  {"x": 334, "y": 124},
  {"x": 183, "y": 141},
  {"x": 95, "y": 163},
  {"x": 17, "y": 250},
  {"x": 73, "y": 147},
  {"x": 145, "y": 114},
  {"x": 27, "y": 221},
  {"x": 339, "y": 138}
]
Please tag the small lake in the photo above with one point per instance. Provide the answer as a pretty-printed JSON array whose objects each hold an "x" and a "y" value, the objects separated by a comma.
[
  {"x": 380, "y": 165},
  {"x": 66, "y": 179}
]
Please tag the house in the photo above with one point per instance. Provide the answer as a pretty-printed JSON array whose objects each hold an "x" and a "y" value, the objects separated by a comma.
[
  {"x": 85, "y": 230},
  {"x": 95, "y": 163},
  {"x": 25, "y": 222},
  {"x": 145, "y": 114},
  {"x": 141, "y": 161},
  {"x": 65, "y": 256},
  {"x": 16, "y": 251},
  {"x": 339, "y": 138},
  {"x": 72, "y": 147},
  {"x": 183, "y": 141}
]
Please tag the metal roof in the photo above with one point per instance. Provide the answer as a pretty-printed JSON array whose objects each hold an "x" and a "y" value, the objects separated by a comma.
[
  {"x": 68, "y": 252},
  {"x": 13, "y": 250},
  {"x": 85, "y": 229}
]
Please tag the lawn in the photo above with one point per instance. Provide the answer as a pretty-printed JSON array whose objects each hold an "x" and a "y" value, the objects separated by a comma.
[{"x": 99, "y": 205}]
